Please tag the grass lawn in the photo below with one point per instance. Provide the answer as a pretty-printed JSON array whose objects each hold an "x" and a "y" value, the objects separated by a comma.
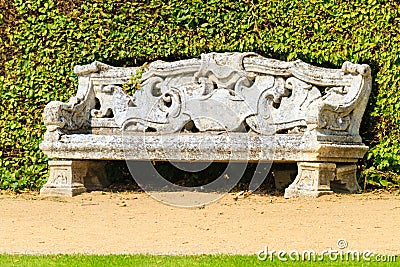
[{"x": 149, "y": 260}]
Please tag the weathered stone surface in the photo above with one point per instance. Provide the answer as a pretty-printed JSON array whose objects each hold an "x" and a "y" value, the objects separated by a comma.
[
  {"x": 316, "y": 179},
  {"x": 223, "y": 107},
  {"x": 73, "y": 177},
  {"x": 346, "y": 179},
  {"x": 66, "y": 178},
  {"x": 204, "y": 146},
  {"x": 312, "y": 180}
]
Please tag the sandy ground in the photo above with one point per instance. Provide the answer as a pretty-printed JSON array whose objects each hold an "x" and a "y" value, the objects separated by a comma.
[{"x": 102, "y": 223}]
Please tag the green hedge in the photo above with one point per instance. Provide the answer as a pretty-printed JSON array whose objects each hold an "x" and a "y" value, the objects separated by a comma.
[{"x": 41, "y": 41}]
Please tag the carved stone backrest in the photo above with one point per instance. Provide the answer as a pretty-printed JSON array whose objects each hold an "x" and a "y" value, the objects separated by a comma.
[{"x": 234, "y": 92}]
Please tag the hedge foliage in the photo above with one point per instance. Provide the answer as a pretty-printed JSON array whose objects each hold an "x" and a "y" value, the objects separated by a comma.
[{"x": 41, "y": 41}]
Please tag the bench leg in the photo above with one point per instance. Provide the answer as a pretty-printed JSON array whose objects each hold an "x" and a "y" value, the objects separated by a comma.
[
  {"x": 312, "y": 180},
  {"x": 316, "y": 179},
  {"x": 346, "y": 179},
  {"x": 73, "y": 177}
]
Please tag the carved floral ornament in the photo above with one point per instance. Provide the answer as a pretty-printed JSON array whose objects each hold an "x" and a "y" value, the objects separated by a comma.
[{"x": 234, "y": 92}]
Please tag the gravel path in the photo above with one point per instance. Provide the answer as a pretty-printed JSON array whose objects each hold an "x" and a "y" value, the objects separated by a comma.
[{"x": 103, "y": 223}]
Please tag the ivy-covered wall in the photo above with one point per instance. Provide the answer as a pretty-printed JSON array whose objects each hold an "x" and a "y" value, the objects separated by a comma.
[{"x": 41, "y": 41}]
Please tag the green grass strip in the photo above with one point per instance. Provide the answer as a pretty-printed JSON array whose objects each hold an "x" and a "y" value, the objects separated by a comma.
[{"x": 150, "y": 260}]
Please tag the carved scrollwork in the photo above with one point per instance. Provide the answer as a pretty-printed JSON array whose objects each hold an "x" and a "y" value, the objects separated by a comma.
[
  {"x": 334, "y": 121},
  {"x": 112, "y": 100},
  {"x": 60, "y": 117},
  {"x": 219, "y": 92}
]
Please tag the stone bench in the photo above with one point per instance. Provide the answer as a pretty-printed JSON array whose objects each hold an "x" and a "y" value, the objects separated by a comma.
[{"x": 226, "y": 107}]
